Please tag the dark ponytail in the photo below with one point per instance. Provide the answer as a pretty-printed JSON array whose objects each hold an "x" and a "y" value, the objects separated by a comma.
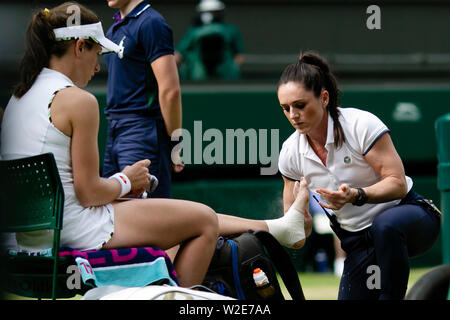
[
  {"x": 37, "y": 39},
  {"x": 314, "y": 73},
  {"x": 40, "y": 43}
]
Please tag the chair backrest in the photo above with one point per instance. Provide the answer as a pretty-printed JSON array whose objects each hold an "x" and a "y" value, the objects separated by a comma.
[{"x": 31, "y": 194}]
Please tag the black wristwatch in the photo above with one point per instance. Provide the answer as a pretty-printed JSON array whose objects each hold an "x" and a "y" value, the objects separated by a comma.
[{"x": 361, "y": 198}]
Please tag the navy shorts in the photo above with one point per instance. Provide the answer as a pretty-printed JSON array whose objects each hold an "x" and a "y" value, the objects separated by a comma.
[
  {"x": 406, "y": 230},
  {"x": 134, "y": 137}
]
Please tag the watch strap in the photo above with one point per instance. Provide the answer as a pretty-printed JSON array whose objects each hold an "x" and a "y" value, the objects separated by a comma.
[{"x": 361, "y": 199}]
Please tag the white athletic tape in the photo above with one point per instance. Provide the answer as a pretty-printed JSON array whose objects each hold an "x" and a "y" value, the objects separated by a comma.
[{"x": 289, "y": 230}]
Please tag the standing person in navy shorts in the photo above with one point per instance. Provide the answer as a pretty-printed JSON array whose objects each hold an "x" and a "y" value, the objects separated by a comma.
[
  {"x": 143, "y": 98},
  {"x": 346, "y": 155}
]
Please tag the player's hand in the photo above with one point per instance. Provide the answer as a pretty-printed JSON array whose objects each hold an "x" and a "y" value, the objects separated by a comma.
[
  {"x": 136, "y": 193},
  {"x": 139, "y": 175},
  {"x": 336, "y": 199}
]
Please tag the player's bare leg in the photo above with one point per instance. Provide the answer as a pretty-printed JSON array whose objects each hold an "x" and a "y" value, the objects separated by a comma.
[{"x": 289, "y": 230}]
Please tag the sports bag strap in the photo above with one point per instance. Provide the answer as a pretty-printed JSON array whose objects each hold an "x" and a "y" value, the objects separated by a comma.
[
  {"x": 283, "y": 263},
  {"x": 235, "y": 266}
]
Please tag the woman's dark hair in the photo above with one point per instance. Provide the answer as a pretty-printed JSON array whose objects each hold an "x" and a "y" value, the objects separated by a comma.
[
  {"x": 313, "y": 72},
  {"x": 40, "y": 43}
]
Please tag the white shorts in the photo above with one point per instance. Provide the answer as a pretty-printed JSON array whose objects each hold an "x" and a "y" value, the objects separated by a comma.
[{"x": 83, "y": 229}]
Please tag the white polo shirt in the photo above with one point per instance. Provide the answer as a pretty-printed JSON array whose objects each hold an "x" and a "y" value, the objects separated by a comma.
[{"x": 344, "y": 165}]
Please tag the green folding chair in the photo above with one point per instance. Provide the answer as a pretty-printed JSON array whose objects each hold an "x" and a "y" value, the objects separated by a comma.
[{"x": 31, "y": 199}]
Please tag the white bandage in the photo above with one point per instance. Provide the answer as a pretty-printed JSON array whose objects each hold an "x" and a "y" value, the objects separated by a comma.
[
  {"x": 289, "y": 230},
  {"x": 125, "y": 183}
]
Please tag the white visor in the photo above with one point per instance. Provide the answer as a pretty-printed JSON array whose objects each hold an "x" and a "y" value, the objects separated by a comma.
[{"x": 93, "y": 31}]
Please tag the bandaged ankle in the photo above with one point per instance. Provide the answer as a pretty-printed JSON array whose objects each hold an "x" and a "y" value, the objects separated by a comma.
[
  {"x": 124, "y": 181},
  {"x": 289, "y": 230}
]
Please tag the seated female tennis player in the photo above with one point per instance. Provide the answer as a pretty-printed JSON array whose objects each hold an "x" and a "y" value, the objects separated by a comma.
[{"x": 50, "y": 112}]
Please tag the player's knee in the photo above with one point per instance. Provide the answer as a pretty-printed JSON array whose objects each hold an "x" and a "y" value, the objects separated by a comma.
[{"x": 209, "y": 222}]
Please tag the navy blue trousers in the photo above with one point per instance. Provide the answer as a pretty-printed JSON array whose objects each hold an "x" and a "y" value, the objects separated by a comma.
[
  {"x": 135, "y": 137},
  {"x": 383, "y": 249}
]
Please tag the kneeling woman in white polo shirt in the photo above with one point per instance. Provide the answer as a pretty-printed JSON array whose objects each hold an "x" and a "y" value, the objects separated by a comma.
[{"x": 347, "y": 156}]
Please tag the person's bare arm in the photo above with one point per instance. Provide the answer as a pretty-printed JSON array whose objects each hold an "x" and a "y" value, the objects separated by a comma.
[
  {"x": 166, "y": 73},
  {"x": 289, "y": 196},
  {"x": 76, "y": 113},
  {"x": 384, "y": 159}
]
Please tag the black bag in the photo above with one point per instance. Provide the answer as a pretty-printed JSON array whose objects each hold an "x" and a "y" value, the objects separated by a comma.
[{"x": 231, "y": 269}]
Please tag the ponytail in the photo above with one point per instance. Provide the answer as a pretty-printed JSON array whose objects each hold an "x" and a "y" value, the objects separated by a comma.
[
  {"x": 40, "y": 43},
  {"x": 37, "y": 41},
  {"x": 314, "y": 73}
]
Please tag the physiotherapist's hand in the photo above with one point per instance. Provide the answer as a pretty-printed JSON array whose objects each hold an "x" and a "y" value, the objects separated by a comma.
[{"x": 337, "y": 199}]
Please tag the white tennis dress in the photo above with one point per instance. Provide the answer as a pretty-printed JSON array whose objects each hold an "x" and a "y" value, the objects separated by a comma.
[{"x": 27, "y": 131}]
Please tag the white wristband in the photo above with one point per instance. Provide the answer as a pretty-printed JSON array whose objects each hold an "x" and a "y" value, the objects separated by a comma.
[{"x": 125, "y": 183}]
